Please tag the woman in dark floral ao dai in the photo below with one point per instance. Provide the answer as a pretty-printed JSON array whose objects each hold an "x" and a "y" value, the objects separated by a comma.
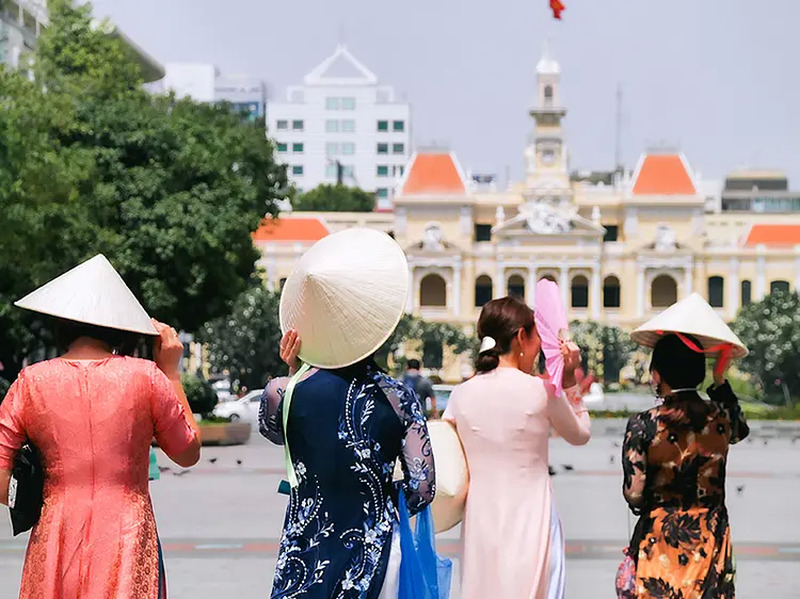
[
  {"x": 674, "y": 459},
  {"x": 347, "y": 428}
]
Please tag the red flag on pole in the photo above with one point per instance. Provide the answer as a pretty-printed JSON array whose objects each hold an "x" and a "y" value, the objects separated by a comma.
[{"x": 558, "y": 7}]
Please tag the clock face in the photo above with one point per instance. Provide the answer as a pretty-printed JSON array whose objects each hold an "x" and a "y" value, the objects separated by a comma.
[{"x": 548, "y": 156}]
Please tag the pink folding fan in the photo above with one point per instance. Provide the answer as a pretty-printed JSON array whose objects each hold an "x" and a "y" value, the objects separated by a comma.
[{"x": 551, "y": 322}]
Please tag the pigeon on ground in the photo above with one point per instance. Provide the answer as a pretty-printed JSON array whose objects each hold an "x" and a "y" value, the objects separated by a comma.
[
  {"x": 238, "y": 462},
  {"x": 551, "y": 470},
  {"x": 740, "y": 489},
  {"x": 181, "y": 473},
  {"x": 213, "y": 460},
  {"x": 568, "y": 467},
  {"x": 163, "y": 468},
  {"x": 611, "y": 459}
]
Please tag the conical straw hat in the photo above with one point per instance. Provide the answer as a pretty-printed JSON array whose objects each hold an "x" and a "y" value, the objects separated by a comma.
[
  {"x": 692, "y": 316},
  {"x": 92, "y": 293},
  {"x": 345, "y": 297}
]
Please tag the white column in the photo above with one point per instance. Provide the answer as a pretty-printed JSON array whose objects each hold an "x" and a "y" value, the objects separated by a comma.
[
  {"x": 797, "y": 268},
  {"x": 563, "y": 282},
  {"x": 457, "y": 290},
  {"x": 761, "y": 276},
  {"x": 733, "y": 295},
  {"x": 640, "y": 291},
  {"x": 499, "y": 287},
  {"x": 530, "y": 286},
  {"x": 450, "y": 299},
  {"x": 412, "y": 291},
  {"x": 594, "y": 300},
  {"x": 687, "y": 281}
]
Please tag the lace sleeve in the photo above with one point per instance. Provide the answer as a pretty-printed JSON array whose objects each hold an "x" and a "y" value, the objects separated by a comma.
[
  {"x": 270, "y": 412},
  {"x": 419, "y": 474},
  {"x": 724, "y": 397},
  {"x": 568, "y": 415},
  {"x": 638, "y": 435}
]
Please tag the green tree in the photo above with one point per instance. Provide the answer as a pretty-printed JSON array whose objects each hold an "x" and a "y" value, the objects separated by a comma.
[
  {"x": 771, "y": 331},
  {"x": 605, "y": 349},
  {"x": 4, "y": 386},
  {"x": 334, "y": 198},
  {"x": 432, "y": 338},
  {"x": 246, "y": 343},
  {"x": 170, "y": 191},
  {"x": 200, "y": 394}
]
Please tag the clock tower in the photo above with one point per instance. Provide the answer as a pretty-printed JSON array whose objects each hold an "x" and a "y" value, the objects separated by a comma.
[{"x": 547, "y": 165}]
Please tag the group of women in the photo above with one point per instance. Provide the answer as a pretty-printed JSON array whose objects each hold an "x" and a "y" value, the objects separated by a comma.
[{"x": 344, "y": 423}]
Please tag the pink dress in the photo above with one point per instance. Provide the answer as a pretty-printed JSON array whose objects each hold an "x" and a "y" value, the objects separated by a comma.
[
  {"x": 513, "y": 545},
  {"x": 92, "y": 422}
]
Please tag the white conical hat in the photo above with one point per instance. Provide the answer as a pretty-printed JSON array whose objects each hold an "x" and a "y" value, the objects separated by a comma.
[
  {"x": 345, "y": 297},
  {"x": 691, "y": 316},
  {"x": 93, "y": 293}
]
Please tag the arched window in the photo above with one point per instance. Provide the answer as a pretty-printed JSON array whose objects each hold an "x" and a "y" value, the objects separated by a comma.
[
  {"x": 548, "y": 94},
  {"x": 432, "y": 292},
  {"x": 716, "y": 292},
  {"x": 663, "y": 292},
  {"x": 516, "y": 286},
  {"x": 580, "y": 292},
  {"x": 612, "y": 293},
  {"x": 779, "y": 287},
  {"x": 747, "y": 292},
  {"x": 483, "y": 290}
]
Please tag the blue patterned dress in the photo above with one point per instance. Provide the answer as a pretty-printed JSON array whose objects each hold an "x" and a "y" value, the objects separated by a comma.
[{"x": 346, "y": 430}]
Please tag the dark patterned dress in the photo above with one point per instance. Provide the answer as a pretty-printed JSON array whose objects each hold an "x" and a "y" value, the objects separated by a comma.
[
  {"x": 346, "y": 430},
  {"x": 674, "y": 459}
]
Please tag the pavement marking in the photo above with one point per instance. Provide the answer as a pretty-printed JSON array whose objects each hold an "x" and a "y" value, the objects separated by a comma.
[{"x": 592, "y": 549}]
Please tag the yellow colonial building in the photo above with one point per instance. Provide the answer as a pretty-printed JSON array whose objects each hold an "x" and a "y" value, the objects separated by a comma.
[{"x": 622, "y": 245}]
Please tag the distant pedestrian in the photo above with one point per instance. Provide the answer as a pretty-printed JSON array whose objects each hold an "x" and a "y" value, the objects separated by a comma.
[{"x": 422, "y": 385}]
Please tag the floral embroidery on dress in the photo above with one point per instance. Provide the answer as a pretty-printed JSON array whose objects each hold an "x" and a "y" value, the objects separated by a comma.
[
  {"x": 674, "y": 460},
  {"x": 337, "y": 534}
]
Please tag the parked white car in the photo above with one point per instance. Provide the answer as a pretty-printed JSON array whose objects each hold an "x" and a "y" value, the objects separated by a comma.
[{"x": 244, "y": 409}]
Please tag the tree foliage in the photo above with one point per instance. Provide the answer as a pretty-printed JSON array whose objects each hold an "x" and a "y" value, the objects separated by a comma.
[
  {"x": 199, "y": 393},
  {"x": 334, "y": 198},
  {"x": 170, "y": 191},
  {"x": 429, "y": 338},
  {"x": 605, "y": 349},
  {"x": 246, "y": 343},
  {"x": 771, "y": 331}
]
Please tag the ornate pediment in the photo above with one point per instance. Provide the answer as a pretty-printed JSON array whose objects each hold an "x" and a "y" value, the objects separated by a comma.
[
  {"x": 665, "y": 241},
  {"x": 542, "y": 218},
  {"x": 433, "y": 241}
]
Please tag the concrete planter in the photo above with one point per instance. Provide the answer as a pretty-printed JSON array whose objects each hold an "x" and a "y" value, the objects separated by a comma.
[{"x": 225, "y": 433}]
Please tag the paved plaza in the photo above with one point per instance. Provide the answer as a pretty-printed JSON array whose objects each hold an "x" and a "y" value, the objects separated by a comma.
[{"x": 219, "y": 523}]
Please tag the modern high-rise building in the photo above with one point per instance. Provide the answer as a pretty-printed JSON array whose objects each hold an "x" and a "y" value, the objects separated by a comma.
[
  {"x": 22, "y": 21},
  {"x": 204, "y": 83},
  {"x": 342, "y": 124}
]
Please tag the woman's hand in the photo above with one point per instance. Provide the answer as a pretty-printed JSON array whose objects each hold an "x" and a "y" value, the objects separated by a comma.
[
  {"x": 290, "y": 348},
  {"x": 168, "y": 350},
  {"x": 572, "y": 360}
]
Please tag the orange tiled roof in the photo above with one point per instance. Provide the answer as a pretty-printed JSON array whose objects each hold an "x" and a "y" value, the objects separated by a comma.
[
  {"x": 663, "y": 174},
  {"x": 433, "y": 174},
  {"x": 774, "y": 235},
  {"x": 290, "y": 229}
]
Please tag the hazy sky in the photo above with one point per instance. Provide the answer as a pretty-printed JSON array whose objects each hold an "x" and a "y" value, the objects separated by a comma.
[{"x": 718, "y": 78}]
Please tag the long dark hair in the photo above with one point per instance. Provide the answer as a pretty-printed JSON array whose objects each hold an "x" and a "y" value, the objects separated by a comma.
[
  {"x": 123, "y": 343},
  {"x": 501, "y": 319}
]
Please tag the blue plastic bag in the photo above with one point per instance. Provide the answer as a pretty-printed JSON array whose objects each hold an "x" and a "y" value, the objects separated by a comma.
[{"x": 423, "y": 574}]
